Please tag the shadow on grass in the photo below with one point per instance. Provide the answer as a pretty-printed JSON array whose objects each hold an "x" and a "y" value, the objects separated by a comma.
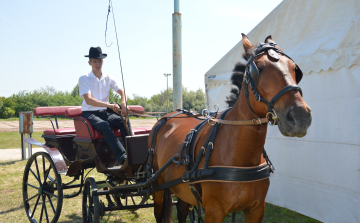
[
  {"x": 9, "y": 162},
  {"x": 74, "y": 218},
  {"x": 12, "y": 209}
]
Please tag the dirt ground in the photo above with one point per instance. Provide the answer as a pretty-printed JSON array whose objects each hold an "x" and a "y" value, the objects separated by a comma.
[{"x": 39, "y": 126}]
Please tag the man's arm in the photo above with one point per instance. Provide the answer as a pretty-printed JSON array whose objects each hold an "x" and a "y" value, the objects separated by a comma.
[
  {"x": 123, "y": 99},
  {"x": 92, "y": 101}
]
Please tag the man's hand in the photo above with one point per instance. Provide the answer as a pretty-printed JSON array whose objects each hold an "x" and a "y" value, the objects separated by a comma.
[
  {"x": 114, "y": 107},
  {"x": 123, "y": 108}
]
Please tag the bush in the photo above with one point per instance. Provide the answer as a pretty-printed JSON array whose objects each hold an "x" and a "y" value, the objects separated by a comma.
[{"x": 27, "y": 101}]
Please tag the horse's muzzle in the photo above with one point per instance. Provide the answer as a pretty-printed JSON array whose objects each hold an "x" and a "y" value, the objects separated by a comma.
[{"x": 295, "y": 121}]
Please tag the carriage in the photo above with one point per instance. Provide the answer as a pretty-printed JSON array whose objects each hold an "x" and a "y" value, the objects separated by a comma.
[
  {"x": 70, "y": 151},
  {"x": 215, "y": 161}
]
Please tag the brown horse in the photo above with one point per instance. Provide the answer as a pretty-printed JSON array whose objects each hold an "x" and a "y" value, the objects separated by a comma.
[{"x": 239, "y": 146}]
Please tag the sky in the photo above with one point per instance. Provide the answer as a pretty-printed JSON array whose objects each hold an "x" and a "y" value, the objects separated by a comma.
[{"x": 43, "y": 43}]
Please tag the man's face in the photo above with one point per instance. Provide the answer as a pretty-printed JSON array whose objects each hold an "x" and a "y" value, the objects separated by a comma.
[{"x": 96, "y": 64}]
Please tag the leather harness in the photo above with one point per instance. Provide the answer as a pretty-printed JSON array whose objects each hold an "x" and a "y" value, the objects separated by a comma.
[{"x": 193, "y": 174}]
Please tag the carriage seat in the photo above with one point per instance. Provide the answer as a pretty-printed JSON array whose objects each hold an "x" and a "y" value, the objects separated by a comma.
[
  {"x": 83, "y": 126},
  {"x": 54, "y": 112}
]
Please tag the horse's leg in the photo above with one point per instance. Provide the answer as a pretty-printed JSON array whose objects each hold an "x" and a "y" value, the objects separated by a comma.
[
  {"x": 254, "y": 214},
  {"x": 182, "y": 210},
  {"x": 214, "y": 213},
  {"x": 163, "y": 205},
  {"x": 158, "y": 205}
]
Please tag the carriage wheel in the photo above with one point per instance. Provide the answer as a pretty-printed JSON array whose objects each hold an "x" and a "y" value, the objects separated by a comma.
[
  {"x": 90, "y": 204},
  {"x": 42, "y": 192}
]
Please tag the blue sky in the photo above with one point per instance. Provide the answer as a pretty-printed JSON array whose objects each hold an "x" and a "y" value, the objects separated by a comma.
[{"x": 43, "y": 43}]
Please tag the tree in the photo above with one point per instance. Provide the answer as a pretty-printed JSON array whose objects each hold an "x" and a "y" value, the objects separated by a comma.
[
  {"x": 7, "y": 108},
  {"x": 49, "y": 96}
]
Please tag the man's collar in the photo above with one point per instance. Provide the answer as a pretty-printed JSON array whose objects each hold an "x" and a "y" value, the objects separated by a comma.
[{"x": 93, "y": 75}]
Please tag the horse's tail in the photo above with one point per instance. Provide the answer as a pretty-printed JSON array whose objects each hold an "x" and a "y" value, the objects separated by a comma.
[{"x": 167, "y": 206}]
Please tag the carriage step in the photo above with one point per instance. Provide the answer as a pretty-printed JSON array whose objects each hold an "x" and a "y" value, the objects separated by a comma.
[{"x": 115, "y": 167}]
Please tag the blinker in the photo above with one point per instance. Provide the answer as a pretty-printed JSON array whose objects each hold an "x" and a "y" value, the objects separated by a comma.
[
  {"x": 273, "y": 54},
  {"x": 298, "y": 74},
  {"x": 254, "y": 73}
]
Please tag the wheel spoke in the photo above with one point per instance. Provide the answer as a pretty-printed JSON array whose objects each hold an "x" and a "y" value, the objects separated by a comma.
[
  {"x": 52, "y": 179},
  {"x": 52, "y": 206},
  {"x": 43, "y": 159},
  {"x": 35, "y": 175},
  {"x": 27, "y": 200},
  {"x": 47, "y": 217},
  {"x": 42, "y": 211},
  {"x": 48, "y": 193},
  {"x": 32, "y": 186},
  {"x": 33, "y": 212},
  {"x": 38, "y": 173},
  {"x": 46, "y": 172}
]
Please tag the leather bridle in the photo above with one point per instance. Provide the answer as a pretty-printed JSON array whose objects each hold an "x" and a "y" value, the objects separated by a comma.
[{"x": 252, "y": 75}]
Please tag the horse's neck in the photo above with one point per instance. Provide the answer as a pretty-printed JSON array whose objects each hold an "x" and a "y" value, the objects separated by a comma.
[{"x": 246, "y": 142}]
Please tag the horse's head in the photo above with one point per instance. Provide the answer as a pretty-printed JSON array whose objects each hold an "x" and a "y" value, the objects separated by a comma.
[{"x": 272, "y": 77}]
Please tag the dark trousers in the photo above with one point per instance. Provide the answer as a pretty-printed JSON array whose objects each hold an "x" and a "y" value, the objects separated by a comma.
[{"x": 103, "y": 122}]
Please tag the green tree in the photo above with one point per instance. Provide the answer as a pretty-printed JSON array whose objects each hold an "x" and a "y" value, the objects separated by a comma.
[
  {"x": 7, "y": 108},
  {"x": 49, "y": 96}
]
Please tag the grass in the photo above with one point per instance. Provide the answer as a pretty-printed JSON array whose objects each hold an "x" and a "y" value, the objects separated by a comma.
[
  {"x": 12, "y": 140},
  {"x": 12, "y": 209}
]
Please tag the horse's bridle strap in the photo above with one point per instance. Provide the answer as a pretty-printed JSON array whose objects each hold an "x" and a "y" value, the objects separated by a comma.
[
  {"x": 281, "y": 93},
  {"x": 258, "y": 121}
]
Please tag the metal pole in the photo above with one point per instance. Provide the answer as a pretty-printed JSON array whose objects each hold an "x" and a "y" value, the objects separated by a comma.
[
  {"x": 177, "y": 57},
  {"x": 29, "y": 147},
  {"x": 23, "y": 148},
  {"x": 167, "y": 91}
]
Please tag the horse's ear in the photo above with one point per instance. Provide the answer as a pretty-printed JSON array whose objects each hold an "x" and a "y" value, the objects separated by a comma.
[
  {"x": 248, "y": 46},
  {"x": 268, "y": 39}
]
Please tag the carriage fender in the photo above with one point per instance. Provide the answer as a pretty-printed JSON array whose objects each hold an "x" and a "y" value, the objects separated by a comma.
[{"x": 54, "y": 153}]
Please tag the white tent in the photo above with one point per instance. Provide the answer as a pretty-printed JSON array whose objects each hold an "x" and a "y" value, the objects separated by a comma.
[{"x": 317, "y": 175}]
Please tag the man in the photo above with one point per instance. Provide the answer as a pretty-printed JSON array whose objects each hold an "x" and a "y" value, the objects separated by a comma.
[{"x": 95, "y": 88}]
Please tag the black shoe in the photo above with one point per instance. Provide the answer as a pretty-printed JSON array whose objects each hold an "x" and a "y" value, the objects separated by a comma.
[{"x": 122, "y": 160}]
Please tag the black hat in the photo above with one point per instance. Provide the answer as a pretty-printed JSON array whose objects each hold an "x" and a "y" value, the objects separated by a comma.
[{"x": 96, "y": 53}]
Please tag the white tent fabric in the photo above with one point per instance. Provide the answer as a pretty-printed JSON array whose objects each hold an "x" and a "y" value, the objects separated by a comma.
[{"x": 317, "y": 175}]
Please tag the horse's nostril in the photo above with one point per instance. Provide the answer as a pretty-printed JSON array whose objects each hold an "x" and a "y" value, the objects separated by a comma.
[{"x": 290, "y": 119}]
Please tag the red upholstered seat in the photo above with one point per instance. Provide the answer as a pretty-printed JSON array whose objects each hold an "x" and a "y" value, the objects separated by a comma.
[
  {"x": 64, "y": 131},
  {"x": 146, "y": 129},
  {"x": 82, "y": 124},
  {"x": 57, "y": 110},
  {"x": 73, "y": 112},
  {"x": 81, "y": 129},
  {"x": 83, "y": 132}
]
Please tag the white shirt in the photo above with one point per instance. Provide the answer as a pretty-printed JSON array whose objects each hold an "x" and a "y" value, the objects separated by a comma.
[{"x": 98, "y": 89}]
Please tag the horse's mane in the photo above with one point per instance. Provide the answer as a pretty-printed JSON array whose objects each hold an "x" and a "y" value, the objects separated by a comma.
[{"x": 237, "y": 79}]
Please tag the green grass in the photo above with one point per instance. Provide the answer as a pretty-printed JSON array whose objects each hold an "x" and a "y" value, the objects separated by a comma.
[
  {"x": 12, "y": 209},
  {"x": 12, "y": 140}
]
